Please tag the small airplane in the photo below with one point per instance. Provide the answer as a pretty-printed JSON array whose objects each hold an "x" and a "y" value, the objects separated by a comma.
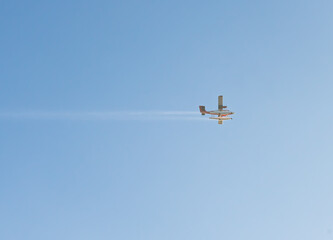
[{"x": 221, "y": 113}]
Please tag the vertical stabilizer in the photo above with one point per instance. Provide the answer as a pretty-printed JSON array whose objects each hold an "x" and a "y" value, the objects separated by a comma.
[{"x": 202, "y": 110}]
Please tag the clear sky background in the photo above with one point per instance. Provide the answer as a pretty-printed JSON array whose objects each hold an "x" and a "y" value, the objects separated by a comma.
[{"x": 267, "y": 174}]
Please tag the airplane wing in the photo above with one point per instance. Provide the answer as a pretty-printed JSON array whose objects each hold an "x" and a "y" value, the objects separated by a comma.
[
  {"x": 220, "y": 105},
  {"x": 220, "y": 102}
]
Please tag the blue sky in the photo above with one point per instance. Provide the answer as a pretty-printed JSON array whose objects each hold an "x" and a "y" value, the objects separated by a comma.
[{"x": 267, "y": 174}]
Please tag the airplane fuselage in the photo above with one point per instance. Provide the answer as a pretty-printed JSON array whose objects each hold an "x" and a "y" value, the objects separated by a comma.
[{"x": 220, "y": 112}]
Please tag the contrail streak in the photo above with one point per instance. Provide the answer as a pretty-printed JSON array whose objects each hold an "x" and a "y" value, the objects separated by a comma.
[{"x": 102, "y": 115}]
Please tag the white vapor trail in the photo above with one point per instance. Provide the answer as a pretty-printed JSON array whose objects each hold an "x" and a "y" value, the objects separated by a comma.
[{"x": 103, "y": 115}]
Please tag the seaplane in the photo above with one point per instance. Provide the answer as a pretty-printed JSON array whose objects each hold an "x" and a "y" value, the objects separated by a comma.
[{"x": 222, "y": 113}]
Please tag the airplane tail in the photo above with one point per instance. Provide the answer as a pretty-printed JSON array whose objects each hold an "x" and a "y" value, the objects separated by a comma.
[{"x": 202, "y": 110}]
